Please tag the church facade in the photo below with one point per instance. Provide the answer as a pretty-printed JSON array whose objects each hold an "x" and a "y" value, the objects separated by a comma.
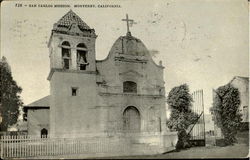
[{"x": 122, "y": 93}]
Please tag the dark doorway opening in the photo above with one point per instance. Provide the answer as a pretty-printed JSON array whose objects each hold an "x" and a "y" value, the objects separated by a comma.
[{"x": 44, "y": 133}]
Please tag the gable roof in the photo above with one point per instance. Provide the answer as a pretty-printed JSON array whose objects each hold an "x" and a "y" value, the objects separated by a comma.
[
  {"x": 245, "y": 78},
  {"x": 72, "y": 17},
  {"x": 42, "y": 102},
  {"x": 239, "y": 77}
]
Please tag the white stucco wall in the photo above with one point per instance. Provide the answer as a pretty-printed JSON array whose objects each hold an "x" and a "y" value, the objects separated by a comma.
[
  {"x": 243, "y": 86},
  {"x": 37, "y": 120}
]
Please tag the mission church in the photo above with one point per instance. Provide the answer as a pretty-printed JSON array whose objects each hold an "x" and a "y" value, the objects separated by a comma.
[{"x": 124, "y": 93}]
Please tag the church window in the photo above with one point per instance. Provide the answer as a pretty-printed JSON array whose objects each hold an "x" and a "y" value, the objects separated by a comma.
[
  {"x": 129, "y": 87},
  {"x": 74, "y": 91},
  {"x": 44, "y": 133},
  {"x": 66, "y": 56},
  {"x": 82, "y": 56}
]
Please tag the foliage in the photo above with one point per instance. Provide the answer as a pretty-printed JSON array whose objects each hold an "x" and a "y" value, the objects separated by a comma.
[
  {"x": 180, "y": 102},
  {"x": 9, "y": 96},
  {"x": 226, "y": 113}
]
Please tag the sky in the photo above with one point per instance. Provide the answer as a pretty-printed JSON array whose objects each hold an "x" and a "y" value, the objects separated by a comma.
[{"x": 203, "y": 43}]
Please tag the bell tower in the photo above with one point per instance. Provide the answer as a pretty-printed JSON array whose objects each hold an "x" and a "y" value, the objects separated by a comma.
[
  {"x": 72, "y": 74},
  {"x": 72, "y": 44}
]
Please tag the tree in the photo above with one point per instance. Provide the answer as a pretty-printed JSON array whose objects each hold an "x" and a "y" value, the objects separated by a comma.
[
  {"x": 9, "y": 96},
  {"x": 180, "y": 101},
  {"x": 226, "y": 113}
]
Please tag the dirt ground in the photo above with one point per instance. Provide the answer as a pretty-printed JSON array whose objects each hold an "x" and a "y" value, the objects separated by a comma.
[
  {"x": 239, "y": 150},
  {"x": 235, "y": 151}
]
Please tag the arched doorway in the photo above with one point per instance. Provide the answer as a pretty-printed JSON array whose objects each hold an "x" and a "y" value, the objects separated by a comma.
[
  {"x": 44, "y": 133},
  {"x": 131, "y": 119}
]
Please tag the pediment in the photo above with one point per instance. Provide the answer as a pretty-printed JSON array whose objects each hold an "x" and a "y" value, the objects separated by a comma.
[
  {"x": 131, "y": 73},
  {"x": 74, "y": 28}
]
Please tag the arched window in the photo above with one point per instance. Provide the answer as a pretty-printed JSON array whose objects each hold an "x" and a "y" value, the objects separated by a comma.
[
  {"x": 81, "y": 56},
  {"x": 131, "y": 119},
  {"x": 66, "y": 56},
  {"x": 44, "y": 133},
  {"x": 129, "y": 87}
]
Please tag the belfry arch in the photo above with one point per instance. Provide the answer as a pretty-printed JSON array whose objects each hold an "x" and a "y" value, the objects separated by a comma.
[
  {"x": 82, "y": 56},
  {"x": 66, "y": 55}
]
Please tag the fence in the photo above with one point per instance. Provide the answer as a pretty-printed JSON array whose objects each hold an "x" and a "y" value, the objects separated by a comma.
[
  {"x": 198, "y": 130},
  {"x": 31, "y": 146}
]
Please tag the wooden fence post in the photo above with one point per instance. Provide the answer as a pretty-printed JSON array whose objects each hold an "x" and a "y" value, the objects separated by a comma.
[{"x": 1, "y": 143}]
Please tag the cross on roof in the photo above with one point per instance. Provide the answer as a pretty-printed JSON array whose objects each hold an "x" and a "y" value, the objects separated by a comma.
[{"x": 128, "y": 20}]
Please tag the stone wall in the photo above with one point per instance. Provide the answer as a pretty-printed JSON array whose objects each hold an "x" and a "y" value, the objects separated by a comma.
[{"x": 149, "y": 108}]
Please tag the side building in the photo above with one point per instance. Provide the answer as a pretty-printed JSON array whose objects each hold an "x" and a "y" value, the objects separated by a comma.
[
  {"x": 37, "y": 116},
  {"x": 242, "y": 84}
]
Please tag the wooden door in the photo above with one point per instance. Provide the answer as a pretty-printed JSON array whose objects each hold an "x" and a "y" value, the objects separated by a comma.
[{"x": 131, "y": 119}]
